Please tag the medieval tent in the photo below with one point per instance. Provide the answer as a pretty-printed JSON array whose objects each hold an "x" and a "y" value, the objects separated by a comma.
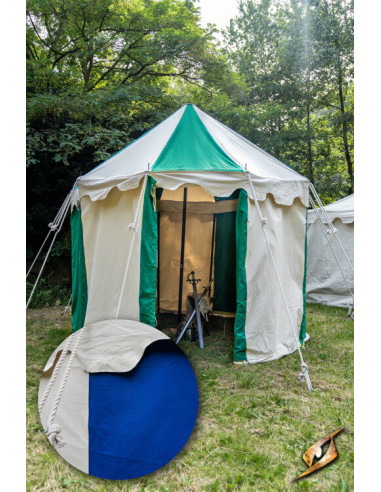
[
  {"x": 192, "y": 194},
  {"x": 330, "y": 279}
]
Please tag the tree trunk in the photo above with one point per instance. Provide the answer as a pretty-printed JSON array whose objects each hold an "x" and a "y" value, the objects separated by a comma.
[{"x": 345, "y": 130}]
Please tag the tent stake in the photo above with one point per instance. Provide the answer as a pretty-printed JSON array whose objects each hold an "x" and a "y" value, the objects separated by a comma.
[{"x": 182, "y": 256}]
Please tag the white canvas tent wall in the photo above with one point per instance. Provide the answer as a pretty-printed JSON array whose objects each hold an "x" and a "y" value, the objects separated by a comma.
[
  {"x": 325, "y": 280},
  {"x": 115, "y": 235}
]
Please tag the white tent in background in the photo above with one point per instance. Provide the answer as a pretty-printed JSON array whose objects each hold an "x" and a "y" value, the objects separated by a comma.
[{"x": 329, "y": 268}]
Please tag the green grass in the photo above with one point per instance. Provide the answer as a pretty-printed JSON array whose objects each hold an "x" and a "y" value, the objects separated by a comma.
[{"x": 254, "y": 423}]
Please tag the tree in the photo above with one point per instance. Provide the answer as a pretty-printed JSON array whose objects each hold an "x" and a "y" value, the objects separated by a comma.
[
  {"x": 92, "y": 43},
  {"x": 298, "y": 74},
  {"x": 334, "y": 35}
]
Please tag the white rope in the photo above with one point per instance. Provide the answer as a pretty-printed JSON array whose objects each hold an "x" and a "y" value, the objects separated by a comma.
[
  {"x": 55, "y": 226},
  {"x": 52, "y": 227},
  {"x": 53, "y": 433},
  {"x": 53, "y": 430},
  {"x": 304, "y": 368},
  {"x": 135, "y": 228},
  {"x": 55, "y": 372},
  {"x": 329, "y": 222},
  {"x": 39, "y": 252},
  {"x": 321, "y": 223}
]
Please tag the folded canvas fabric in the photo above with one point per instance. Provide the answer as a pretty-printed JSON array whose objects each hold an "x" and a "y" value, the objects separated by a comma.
[{"x": 130, "y": 401}]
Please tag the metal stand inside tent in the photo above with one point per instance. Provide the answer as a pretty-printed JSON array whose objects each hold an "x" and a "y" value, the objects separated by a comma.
[
  {"x": 194, "y": 282},
  {"x": 206, "y": 289}
]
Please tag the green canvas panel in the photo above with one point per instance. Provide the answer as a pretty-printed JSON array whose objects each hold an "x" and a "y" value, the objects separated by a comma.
[
  {"x": 225, "y": 291},
  {"x": 303, "y": 326},
  {"x": 78, "y": 268},
  {"x": 241, "y": 246},
  {"x": 192, "y": 148},
  {"x": 148, "y": 258}
]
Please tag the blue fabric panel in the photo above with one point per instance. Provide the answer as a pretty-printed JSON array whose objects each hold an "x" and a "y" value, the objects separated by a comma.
[{"x": 141, "y": 419}]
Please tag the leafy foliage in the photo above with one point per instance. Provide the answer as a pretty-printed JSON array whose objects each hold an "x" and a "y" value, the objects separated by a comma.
[
  {"x": 296, "y": 59},
  {"x": 101, "y": 73},
  {"x": 46, "y": 295}
]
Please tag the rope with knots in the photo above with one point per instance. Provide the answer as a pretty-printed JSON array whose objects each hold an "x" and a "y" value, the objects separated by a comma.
[{"x": 53, "y": 430}]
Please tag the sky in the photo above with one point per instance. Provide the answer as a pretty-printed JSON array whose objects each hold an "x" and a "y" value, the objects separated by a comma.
[{"x": 217, "y": 12}]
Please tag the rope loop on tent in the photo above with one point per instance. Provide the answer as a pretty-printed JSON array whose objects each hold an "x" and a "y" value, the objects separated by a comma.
[
  {"x": 304, "y": 367},
  {"x": 53, "y": 432},
  {"x": 134, "y": 226}
]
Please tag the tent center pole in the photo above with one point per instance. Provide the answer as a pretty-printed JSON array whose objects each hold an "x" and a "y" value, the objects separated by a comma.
[
  {"x": 183, "y": 226},
  {"x": 158, "y": 263},
  {"x": 212, "y": 254}
]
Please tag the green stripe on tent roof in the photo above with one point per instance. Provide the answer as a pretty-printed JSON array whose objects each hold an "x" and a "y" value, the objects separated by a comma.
[{"x": 192, "y": 148}]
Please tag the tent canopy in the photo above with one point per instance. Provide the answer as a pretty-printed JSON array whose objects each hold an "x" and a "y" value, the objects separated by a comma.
[
  {"x": 181, "y": 198},
  {"x": 191, "y": 146},
  {"x": 342, "y": 209}
]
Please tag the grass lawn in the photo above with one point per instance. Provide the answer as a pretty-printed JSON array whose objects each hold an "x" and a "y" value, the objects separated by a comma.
[{"x": 255, "y": 422}]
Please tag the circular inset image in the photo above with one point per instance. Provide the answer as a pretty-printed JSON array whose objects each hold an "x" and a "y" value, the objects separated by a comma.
[{"x": 118, "y": 399}]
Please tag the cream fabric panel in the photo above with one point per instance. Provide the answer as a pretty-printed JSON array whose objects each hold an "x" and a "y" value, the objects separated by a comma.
[
  {"x": 268, "y": 332},
  {"x": 197, "y": 250},
  {"x": 115, "y": 345},
  {"x": 170, "y": 246},
  {"x": 107, "y": 241},
  {"x": 72, "y": 413},
  {"x": 325, "y": 283}
]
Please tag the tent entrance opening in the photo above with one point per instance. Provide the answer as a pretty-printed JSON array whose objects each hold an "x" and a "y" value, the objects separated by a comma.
[{"x": 196, "y": 233}]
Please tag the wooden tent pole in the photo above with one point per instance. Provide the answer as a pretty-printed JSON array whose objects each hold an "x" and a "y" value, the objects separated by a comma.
[
  {"x": 182, "y": 256},
  {"x": 212, "y": 254}
]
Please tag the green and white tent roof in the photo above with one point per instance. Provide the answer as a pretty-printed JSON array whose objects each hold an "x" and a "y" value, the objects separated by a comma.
[{"x": 192, "y": 147}]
